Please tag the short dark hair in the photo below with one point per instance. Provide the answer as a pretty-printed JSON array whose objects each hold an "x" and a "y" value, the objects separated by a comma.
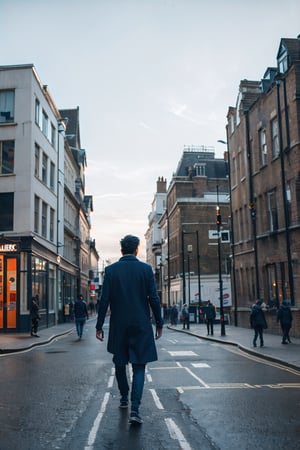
[{"x": 129, "y": 244}]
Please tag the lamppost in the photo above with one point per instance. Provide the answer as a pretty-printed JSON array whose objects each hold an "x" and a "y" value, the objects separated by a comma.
[
  {"x": 231, "y": 234},
  {"x": 219, "y": 223}
]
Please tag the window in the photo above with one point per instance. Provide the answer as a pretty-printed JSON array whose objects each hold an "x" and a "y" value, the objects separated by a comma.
[
  {"x": 263, "y": 146},
  {"x": 44, "y": 168},
  {"x": 272, "y": 210},
  {"x": 7, "y": 100},
  {"x": 45, "y": 124},
  {"x": 37, "y": 161},
  {"x": 200, "y": 170},
  {"x": 275, "y": 141},
  {"x": 52, "y": 214},
  {"x": 6, "y": 211},
  {"x": 37, "y": 112},
  {"x": 52, "y": 176},
  {"x": 36, "y": 214},
  {"x": 53, "y": 135},
  {"x": 283, "y": 60},
  {"x": 7, "y": 156},
  {"x": 44, "y": 219}
]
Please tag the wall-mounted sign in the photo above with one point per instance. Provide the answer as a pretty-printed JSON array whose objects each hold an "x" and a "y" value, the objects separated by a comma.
[{"x": 8, "y": 248}]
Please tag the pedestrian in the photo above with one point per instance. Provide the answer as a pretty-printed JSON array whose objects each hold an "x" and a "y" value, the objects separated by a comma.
[
  {"x": 258, "y": 322},
  {"x": 184, "y": 317},
  {"x": 174, "y": 314},
  {"x": 81, "y": 314},
  {"x": 35, "y": 316},
  {"x": 209, "y": 316},
  {"x": 129, "y": 289},
  {"x": 284, "y": 316}
]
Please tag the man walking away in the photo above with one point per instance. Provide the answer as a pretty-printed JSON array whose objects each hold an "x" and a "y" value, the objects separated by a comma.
[
  {"x": 210, "y": 315},
  {"x": 81, "y": 314},
  {"x": 258, "y": 322},
  {"x": 129, "y": 289},
  {"x": 284, "y": 316}
]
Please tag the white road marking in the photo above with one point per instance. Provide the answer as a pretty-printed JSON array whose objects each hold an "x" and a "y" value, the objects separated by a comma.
[
  {"x": 193, "y": 375},
  {"x": 183, "y": 353},
  {"x": 156, "y": 399},
  {"x": 95, "y": 427},
  {"x": 200, "y": 365},
  {"x": 175, "y": 433},
  {"x": 182, "y": 389}
]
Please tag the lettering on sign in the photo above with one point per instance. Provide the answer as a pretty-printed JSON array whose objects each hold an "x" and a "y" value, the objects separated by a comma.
[{"x": 8, "y": 247}]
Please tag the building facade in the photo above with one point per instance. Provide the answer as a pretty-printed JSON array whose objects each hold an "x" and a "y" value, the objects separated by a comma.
[
  {"x": 263, "y": 134},
  {"x": 190, "y": 246},
  {"x": 33, "y": 257},
  {"x": 153, "y": 234}
]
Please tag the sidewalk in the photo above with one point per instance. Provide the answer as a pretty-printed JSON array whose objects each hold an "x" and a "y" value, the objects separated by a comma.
[
  {"x": 16, "y": 342},
  {"x": 273, "y": 350}
]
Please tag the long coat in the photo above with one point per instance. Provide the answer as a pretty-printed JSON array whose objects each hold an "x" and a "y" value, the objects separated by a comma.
[{"x": 129, "y": 289}]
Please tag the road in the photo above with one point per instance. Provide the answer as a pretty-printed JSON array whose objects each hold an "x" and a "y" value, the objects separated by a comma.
[{"x": 198, "y": 395}]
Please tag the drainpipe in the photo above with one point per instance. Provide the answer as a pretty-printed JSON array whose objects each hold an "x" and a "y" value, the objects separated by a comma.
[
  {"x": 285, "y": 203},
  {"x": 252, "y": 201}
]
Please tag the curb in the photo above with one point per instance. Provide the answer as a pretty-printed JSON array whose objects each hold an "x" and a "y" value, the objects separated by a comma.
[{"x": 36, "y": 344}]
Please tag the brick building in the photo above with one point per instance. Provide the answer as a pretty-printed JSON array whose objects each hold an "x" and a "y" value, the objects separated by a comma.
[
  {"x": 263, "y": 134},
  {"x": 190, "y": 257}
]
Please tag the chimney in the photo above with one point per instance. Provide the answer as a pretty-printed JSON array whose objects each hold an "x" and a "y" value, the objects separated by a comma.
[{"x": 161, "y": 185}]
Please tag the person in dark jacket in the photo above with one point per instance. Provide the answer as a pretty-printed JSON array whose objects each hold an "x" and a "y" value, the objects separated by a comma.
[
  {"x": 209, "y": 316},
  {"x": 81, "y": 314},
  {"x": 174, "y": 314},
  {"x": 129, "y": 289},
  {"x": 35, "y": 316},
  {"x": 284, "y": 316},
  {"x": 258, "y": 322},
  {"x": 184, "y": 316}
]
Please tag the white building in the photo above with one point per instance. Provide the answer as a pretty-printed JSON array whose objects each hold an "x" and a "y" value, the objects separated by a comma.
[{"x": 33, "y": 258}]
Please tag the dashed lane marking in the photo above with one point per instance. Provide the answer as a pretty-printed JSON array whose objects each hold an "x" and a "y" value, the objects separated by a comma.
[
  {"x": 201, "y": 365},
  {"x": 183, "y": 353}
]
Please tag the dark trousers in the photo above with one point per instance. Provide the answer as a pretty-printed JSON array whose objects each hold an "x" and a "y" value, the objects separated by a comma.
[
  {"x": 210, "y": 326},
  {"x": 258, "y": 331},
  {"x": 34, "y": 325},
  {"x": 286, "y": 333},
  {"x": 80, "y": 321},
  {"x": 137, "y": 387}
]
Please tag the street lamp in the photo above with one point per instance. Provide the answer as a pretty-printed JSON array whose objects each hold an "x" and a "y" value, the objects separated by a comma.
[
  {"x": 231, "y": 237},
  {"x": 219, "y": 223}
]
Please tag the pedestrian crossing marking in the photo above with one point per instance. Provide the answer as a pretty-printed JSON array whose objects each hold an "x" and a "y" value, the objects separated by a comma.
[
  {"x": 200, "y": 365},
  {"x": 183, "y": 353}
]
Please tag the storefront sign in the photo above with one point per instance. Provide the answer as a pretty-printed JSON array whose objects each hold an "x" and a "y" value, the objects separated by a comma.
[{"x": 8, "y": 248}]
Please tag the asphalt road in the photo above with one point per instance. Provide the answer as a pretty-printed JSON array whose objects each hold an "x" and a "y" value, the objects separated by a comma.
[{"x": 198, "y": 395}]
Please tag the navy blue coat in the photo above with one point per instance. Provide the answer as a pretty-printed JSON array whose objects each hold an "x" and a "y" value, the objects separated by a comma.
[{"x": 129, "y": 289}]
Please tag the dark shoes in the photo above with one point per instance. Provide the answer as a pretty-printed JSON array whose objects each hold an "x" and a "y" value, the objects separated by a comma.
[
  {"x": 123, "y": 403},
  {"x": 34, "y": 335},
  {"x": 135, "y": 419}
]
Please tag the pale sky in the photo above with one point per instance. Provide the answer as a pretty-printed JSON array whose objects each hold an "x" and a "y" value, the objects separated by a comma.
[{"x": 149, "y": 77}]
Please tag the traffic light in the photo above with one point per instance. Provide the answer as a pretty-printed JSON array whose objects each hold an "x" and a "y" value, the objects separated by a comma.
[{"x": 218, "y": 216}]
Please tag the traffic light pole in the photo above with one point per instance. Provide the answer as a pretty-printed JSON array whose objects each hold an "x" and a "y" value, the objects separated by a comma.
[{"x": 219, "y": 223}]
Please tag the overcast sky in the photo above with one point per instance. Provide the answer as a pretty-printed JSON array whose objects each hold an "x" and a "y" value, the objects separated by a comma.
[{"x": 149, "y": 77}]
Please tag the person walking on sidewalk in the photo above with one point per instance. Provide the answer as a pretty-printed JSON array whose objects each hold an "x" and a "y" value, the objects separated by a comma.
[
  {"x": 209, "y": 316},
  {"x": 129, "y": 289},
  {"x": 258, "y": 322},
  {"x": 35, "y": 316},
  {"x": 174, "y": 314},
  {"x": 184, "y": 317},
  {"x": 81, "y": 314},
  {"x": 284, "y": 316}
]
